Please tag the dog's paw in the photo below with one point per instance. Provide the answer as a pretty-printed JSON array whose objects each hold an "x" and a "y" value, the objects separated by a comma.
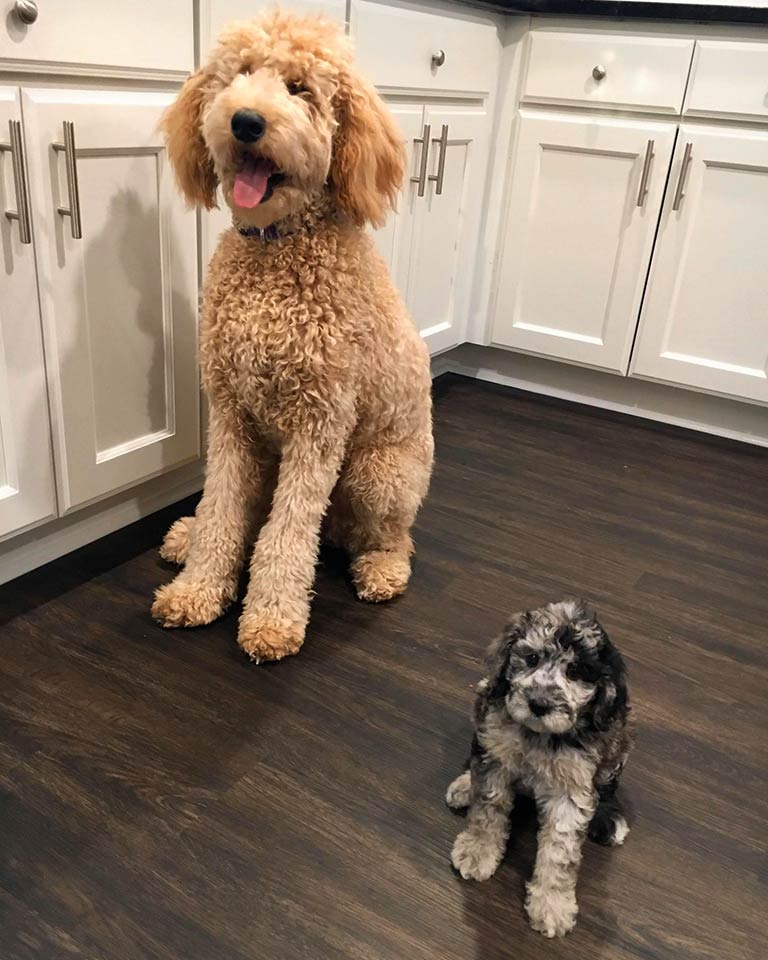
[
  {"x": 551, "y": 912},
  {"x": 380, "y": 575},
  {"x": 185, "y": 604},
  {"x": 475, "y": 856},
  {"x": 457, "y": 794},
  {"x": 175, "y": 546},
  {"x": 264, "y": 638}
]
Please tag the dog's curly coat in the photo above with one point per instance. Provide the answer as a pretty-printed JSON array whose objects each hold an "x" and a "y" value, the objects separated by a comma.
[
  {"x": 550, "y": 720},
  {"x": 319, "y": 385}
]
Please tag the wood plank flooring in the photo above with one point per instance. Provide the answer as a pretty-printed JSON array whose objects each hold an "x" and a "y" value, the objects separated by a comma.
[{"x": 162, "y": 799}]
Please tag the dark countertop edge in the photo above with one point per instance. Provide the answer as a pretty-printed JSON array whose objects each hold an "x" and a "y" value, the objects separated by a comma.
[{"x": 623, "y": 10}]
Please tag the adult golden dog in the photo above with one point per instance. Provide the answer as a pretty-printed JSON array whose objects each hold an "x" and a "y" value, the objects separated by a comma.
[{"x": 318, "y": 383}]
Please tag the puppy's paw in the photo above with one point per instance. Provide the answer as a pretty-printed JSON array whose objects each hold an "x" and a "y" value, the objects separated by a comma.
[
  {"x": 264, "y": 638},
  {"x": 457, "y": 794},
  {"x": 551, "y": 912},
  {"x": 609, "y": 831},
  {"x": 380, "y": 575},
  {"x": 175, "y": 546},
  {"x": 188, "y": 604},
  {"x": 475, "y": 856}
]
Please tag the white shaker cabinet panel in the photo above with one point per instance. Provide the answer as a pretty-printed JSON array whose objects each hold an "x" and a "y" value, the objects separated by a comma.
[
  {"x": 393, "y": 240},
  {"x": 26, "y": 469},
  {"x": 705, "y": 316},
  {"x": 119, "y": 301},
  {"x": 438, "y": 275},
  {"x": 583, "y": 210},
  {"x": 99, "y": 35},
  {"x": 217, "y": 14}
]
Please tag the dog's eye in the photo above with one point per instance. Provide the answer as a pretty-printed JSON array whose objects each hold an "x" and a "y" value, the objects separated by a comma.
[
  {"x": 245, "y": 69},
  {"x": 296, "y": 88},
  {"x": 532, "y": 659},
  {"x": 572, "y": 671}
]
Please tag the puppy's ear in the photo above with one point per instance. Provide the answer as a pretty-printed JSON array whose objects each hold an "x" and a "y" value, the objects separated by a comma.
[
  {"x": 368, "y": 162},
  {"x": 498, "y": 656},
  {"x": 612, "y": 698},
  {"x": 189, "y": 156}
]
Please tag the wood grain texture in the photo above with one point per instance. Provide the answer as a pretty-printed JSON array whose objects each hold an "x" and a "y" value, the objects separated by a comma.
[{"x": 161, "y": 798}]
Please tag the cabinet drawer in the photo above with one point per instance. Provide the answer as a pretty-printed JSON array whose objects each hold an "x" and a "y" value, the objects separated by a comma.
[
  {"x": 642, "y": 73},
  {"x": 111, "y": 34},
  {"x": 729, "y": 79},
  {"x": 395, "y": 47}
]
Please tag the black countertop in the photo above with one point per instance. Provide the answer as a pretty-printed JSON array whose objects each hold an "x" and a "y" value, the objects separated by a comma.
[{"x": 626, "y": 10}]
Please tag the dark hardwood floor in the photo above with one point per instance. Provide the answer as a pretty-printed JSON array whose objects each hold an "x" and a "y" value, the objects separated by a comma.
[{"x": 163, "y": 799}]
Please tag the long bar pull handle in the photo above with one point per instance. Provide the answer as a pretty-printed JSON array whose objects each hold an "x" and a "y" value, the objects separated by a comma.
[
  {"x": 424, "y": 140},
  {"x": 438, "y": 177},
  {"x": 679, "y": 191},
  {"x": 643, "y": 191},
  {"x": 73, "y": 189},
  {"x": 21, "y": 213}
]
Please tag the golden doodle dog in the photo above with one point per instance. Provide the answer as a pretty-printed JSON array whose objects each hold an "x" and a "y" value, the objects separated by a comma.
[{"x": 319, "y": 385}]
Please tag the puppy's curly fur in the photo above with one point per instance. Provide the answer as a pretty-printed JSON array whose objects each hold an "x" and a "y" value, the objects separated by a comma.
[
  {"x": 550, "y": 720},
  {"x": 319, "y": 385}
]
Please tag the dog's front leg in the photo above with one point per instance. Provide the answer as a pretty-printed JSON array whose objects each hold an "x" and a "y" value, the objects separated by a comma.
[
  {"x": 477, "y": 851},
  {"x": 282, "y": 571},
  {"x": 216, "y": 552},
  {"x": 551, "y": 894}
]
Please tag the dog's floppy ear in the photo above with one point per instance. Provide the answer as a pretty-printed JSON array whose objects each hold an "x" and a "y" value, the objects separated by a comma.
[
  {"x": 368, "y": 162},
  {"x": 612, "y": 698},
  {"x": 498, "y": 656},
  {"x": 189, "y": 156}
]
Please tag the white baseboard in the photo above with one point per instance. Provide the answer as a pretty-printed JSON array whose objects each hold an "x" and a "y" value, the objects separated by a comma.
[
  {"x": 53, "y": 540},
  {"x": 746, "y": 422}
]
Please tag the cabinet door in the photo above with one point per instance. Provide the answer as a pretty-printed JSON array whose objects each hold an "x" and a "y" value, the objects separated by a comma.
[
  {"x": 705, "y": 317},
  {"x": 394, "y": 238},
  {"x": 438, "y": 273},
  {"x": 26, "y": 469},
  {"x": 119, "y": 304},
  {"x": 577, "y": 244}
]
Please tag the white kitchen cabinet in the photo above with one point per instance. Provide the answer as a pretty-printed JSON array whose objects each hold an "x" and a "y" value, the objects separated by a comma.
[
  {"x": 584, "y": 205},
  {"x": 445, "y": 226},
  {"x": 705, "y": 317},
  {"x": 118, "y": 303},
  {"x": 112, "y": 36},
  {"x": 393, "y": 240},
  {"x": 430, "y": 239},
  {"x": 26, "y": 470},
  {"x": 217, "y": 14}
]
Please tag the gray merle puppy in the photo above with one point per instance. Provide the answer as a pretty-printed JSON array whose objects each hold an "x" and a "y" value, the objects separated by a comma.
[{"x": 550, "y": 721}]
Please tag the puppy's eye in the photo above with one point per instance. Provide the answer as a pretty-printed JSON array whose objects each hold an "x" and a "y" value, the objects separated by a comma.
[
  {"x": 245, "y": 69},
  {"x": 296, "y": 88},
  {"x": 572, "y": 671},
  {"x": 532, "y": 659}
]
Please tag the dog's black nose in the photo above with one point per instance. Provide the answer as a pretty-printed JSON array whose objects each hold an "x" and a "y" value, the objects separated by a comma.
[
  {"x": 539, "y": 707},
  {"x": 248, "y": 126}
]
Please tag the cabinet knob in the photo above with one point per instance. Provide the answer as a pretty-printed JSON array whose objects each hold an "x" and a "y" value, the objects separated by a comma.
[
  {"x": 599, "y": 72},
  {"x": 438, "y": 58},
  {"x": 26, "y": 10}
]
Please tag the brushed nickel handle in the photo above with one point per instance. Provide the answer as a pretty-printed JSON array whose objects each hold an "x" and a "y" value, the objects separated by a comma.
[
  {"x": 73, "y": 189},
  {"x": 679, "y": 191},
  {"x": 438, "y": 58},
  {"x": 26, "y": 10},
  {"x": 437, "y": 178},
  {"x": 642, "y": 193},
  {"x": 599, "y": 72},
  {"x": 422, "y": 177},
  {"x": 16, "y": 150}
]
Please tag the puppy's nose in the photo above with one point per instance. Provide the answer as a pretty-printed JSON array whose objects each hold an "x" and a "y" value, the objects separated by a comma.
[
  {"x": 248, "y": 126},
  {"x": 539, "y": 707}
]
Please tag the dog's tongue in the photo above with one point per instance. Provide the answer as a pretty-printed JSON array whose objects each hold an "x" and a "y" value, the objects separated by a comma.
[{"x": 251, "y": 183}]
